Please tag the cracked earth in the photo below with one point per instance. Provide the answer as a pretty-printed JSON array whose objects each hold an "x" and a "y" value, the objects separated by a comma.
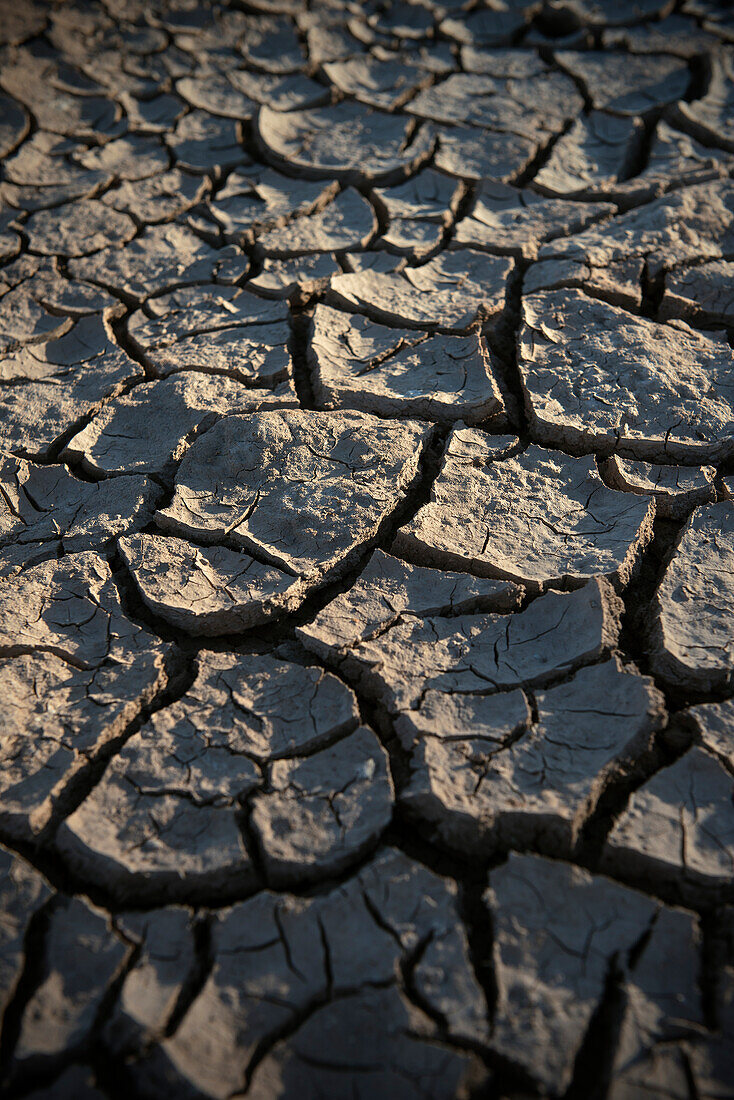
[{"x": 367, "y": 549}]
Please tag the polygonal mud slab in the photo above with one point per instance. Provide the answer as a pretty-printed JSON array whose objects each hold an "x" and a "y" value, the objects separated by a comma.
[
  {"x": 402, "y": 22},
  {"x": 677, "y": 34},
  {"x": 321, "y": 813},
  {"x": 272, "y": 44},
  {"x": 327, "y": 35},
  {"x": 597, "y": 158},
  {"x": 214, "y": 93},
  {"x": 628, "y": 84},
  {"x": 81, "y": 957},
  {"x": 306, "y": 491},
  {"x": 418, "y": 212},
  {"x": 75, "y": 672},
  {"x": 78, "y": 229},
  {"x": 501, "y": 104},
  {"x": 299, "y": 276},
  {"x": 200, "y": 143},
  {"x": 23, "y": 892},
  {"x": 559, "y": 933},
  {"x": 119, "y": 441},
  {"x": 713, "y": 724},
  {"x": 13, "y": 127},
  {"x": 385, "y": 84},
  {"x": 165, "y": 962},
  {"x": 207, "y": 590},
  {"x": 389, "y": 590},
  {"x": 60, "y": 719},
  {"x": 675, "y": 489},
  {"x": 214, "y": 328},
  {"x": 597, "y": 378},
  {"x": 710, "y": 118},
  {"x": 380, "y": 1032},
  {"x": 282, "y": 93},
  {"x": 162, "y": 824},
  {"x": 610, "y": 13},
  {"x": 703, "y": 295},
  {"x": 690, "y": 225},
  {"x": 362, "y": 365},
  {"x": 46, "y": 505},
  {"x": 516, "y": 222},
  {"x": 133, "y": 157},
  {"x": 345, "y": 141},
  {"x": 597, "y": 151},
  {"x": 42, "y": 165},
  {"x": 39, "y": 305},
  {"x": 474, "y": 154},
  {"x": 69, "y": 607},
  {"x": 156, "y": 115},
  {"x": 678, "y": 829},
  {"x": 270, "y": 967},
  {"x": 450, "y": 293},
  {"x": 347, "y": 222},
  {"x": 692, "y": 641},
  {"x": 51, "y": 386},
  {"x": 256, "y": 198},
  {"x": 557, "y": 634},
  {"x": 484, "y": 776},
  {"x": 26, "y": 318},
  {"x": 483, "y": 26},
  {"x": 158, "y": 199},
  {"x": 564, "y": 525},
  {"x": 161, "y": 257},
  {"x": 91, "y": 118}
]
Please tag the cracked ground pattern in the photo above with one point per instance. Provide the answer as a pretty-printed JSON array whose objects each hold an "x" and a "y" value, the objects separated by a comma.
[{"x": 367, "y": 549}]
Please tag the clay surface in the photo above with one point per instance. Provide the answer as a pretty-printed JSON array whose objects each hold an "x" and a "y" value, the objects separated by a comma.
[
  {"x": 695, "y": 647},
  {"x": 481, "y": 652},
  {"x": 207, "y": 589},
  {"x": 586, "y": 529},
  {"x": 356, "y": 466},
  {"x": 451, "y": 292},
  {"x": 512, "y": 222},
  {"x": 366, "y": 561},
  {"x": 119, "y": 441},
  {"x": 675, "y": 489},
  {"x": 360, "y": 364},
  {"x": 692, "y": 838},
  {"x": 214, "y": 329},
  {"x": 684, "y": 227},
  {"x": 597, "y": 378},
  {"x": 548, "y": 987},
  {"x": 487, "y": 775}
]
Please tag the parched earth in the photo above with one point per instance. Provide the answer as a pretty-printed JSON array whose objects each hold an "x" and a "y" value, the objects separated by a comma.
[{"x": 367, "y": 549}]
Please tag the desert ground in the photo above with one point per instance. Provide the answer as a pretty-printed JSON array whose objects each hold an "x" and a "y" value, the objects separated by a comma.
[{"x": 367, "y": 549}]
